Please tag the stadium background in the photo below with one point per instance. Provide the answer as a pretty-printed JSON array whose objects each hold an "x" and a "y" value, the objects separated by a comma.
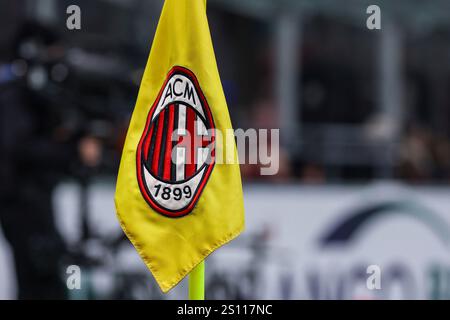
[{"x": 365, "y": 157}]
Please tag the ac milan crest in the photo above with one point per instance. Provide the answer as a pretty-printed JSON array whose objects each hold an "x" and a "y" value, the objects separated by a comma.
[{"x": 175, "y": 155}]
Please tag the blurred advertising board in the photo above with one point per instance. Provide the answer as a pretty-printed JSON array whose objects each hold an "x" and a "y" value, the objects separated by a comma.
[
  {"x": 301, "y": 242},
  {"x": 326, "y": 238}
]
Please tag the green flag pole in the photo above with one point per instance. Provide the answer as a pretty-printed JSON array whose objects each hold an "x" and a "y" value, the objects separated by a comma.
[
  {"x": 197, "y": 278},
  {"x": 197, "y": 282}
]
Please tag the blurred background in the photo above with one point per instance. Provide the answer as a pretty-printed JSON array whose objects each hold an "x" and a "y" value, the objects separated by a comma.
[{"x": 364, "y": 118}]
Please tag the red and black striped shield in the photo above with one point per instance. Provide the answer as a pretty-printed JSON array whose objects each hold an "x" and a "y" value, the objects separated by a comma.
[{"x": 175, "y": 155}]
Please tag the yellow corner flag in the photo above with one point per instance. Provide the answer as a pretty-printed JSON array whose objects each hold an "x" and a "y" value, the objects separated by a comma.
[{"x": 175, "y": 200}]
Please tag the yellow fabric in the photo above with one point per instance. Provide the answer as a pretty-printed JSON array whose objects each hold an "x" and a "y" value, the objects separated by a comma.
[{"x": 172, "y": 247}]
